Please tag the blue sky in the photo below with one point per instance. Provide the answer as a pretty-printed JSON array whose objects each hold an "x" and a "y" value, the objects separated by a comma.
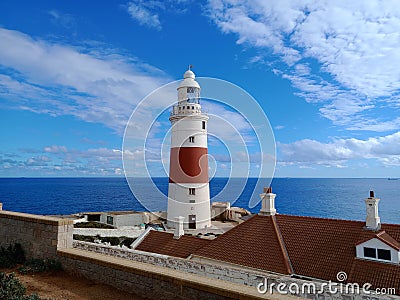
[{"x": 326, "y": 74}]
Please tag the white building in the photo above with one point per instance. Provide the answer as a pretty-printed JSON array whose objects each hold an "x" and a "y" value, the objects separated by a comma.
[{"x": 188, "y": 191}]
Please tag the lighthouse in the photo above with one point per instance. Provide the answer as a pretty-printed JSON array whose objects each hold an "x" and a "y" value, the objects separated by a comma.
[{"x": 188, "y": 189}]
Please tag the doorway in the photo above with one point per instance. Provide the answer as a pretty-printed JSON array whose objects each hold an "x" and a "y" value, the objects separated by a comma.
[{"x": 192, "y": 221}]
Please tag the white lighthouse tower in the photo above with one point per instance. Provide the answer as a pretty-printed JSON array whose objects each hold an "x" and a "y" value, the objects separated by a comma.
[{"x": 188, "y": 190}]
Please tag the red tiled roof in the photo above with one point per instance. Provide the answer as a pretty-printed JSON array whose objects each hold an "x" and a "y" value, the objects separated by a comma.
[
  {"x": 253, "y": 243},
  {"x": 164, "y": 243},
  {"x": 376, "y": 273},
  {"x": 384, "y": 237},
  {"x": 306, "y": 246}
]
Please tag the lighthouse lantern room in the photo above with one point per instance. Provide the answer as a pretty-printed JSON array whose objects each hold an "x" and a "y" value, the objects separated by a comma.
[{"x": 188, "y": 190}]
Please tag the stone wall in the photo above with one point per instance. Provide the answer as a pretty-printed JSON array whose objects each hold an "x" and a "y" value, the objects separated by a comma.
[
  {"x": 234, "y": 275},
  {"x": 40, "y": 236},
  {"x": 151, "y": 281},
  {"x": 228, "y": 274}
]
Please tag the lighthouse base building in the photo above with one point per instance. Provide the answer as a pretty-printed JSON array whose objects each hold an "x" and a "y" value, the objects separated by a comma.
[{"x": 188, "y": 190}]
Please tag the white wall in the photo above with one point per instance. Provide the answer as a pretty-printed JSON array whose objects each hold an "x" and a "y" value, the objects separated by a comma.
[
  {"x": 189, "y": 126},
  {"x": 125, "y": 219},
  {"x": 179, "y": 204},
  {"x": 377, "y": 244},
  {"x": 130, "y": 220}
]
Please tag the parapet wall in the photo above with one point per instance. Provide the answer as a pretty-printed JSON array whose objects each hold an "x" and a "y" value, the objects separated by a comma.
[
  {"x": 151, "y": 281},
  {"x": 230, "y": 274},
  {"x": 40, "y": 236},
  {"x": 225, "y": 274}
]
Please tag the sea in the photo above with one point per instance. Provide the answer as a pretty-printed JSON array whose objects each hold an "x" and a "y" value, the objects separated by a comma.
[{"x": 339, "y": 198}]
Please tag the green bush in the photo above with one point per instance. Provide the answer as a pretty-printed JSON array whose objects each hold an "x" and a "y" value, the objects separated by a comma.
[
  {"x": 12, "y": 289},
  {"x": 40, "y": 265},
  {"x": 113, "y": 240},
  {"x": 11, "y": 256},
  {"x": 126, "y": 241},
  {"x": 93, "y": 225},
  {"x": 84, "y": 238}
]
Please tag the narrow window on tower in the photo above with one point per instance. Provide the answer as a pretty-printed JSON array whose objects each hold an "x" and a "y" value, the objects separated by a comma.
[
  {"x": 203, "y": 125},
  {"x": 192, "y": 191},
  {"x": 191, "y": 139}
]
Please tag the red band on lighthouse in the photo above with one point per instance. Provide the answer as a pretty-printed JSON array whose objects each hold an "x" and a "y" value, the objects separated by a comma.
[{"x": 188, "y": 165}]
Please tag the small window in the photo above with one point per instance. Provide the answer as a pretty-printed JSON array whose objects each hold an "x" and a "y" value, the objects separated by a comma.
[
  {"x": 192, "y": 191},
  {"x": 183, "y": 107},
  {"x": 191, "y": 139},
  {"x": 192, "y": 201},
  {"x": 369, "y": 252},
  {"x": 188, "y": 107},
  {"x": 203, "y": 125},
  {"x": 384, "y": 254},
  {"x": 179, "y": 108},
  {"x": 110, "y": 220},
  {"x": 192, "y": 107}
]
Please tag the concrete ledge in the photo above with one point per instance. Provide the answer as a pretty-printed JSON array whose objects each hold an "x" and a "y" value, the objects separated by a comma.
[
  {"x": 34, "y": 218},
  {"x": 183, "y": 279}
]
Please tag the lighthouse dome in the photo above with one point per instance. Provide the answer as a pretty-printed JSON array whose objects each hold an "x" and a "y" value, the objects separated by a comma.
[
  {"x": 189, "y": 80},
  {"x": 189, "y": 74}
]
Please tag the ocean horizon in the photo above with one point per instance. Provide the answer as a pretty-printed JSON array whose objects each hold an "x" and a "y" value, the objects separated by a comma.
[{"x": 339, "y": 198}]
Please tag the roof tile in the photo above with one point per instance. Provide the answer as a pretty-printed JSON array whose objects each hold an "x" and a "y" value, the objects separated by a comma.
[{"x": 164, "y": 243}]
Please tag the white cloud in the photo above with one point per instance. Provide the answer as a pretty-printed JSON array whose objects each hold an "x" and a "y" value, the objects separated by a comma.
[
  {"x": 56, "y": 160},
  {"x": 337, "y": 153},
  {"x": 342, "y": 55},
  {"x": 93, "y": 83},
  {"x": 140, "y": 11},
  {"x": 55, "y": 149},
  {"x": 65, "y": 20}
]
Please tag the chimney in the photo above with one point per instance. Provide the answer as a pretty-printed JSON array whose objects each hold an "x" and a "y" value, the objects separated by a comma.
[
  {"x": 373, "y": 222},
  {"x": 178, "y": 227},
  {"x": 267, "y": 203}
]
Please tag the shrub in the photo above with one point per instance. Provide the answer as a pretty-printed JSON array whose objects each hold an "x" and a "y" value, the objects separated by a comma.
[
  {"x": 84, "y": 238},
  {"x": 12, "y": 289},
  {"x": 40, "y": 265},
  {"x": 13, "y": 255},
  {"x": 113, "y": 240},
  {"x": 127, "y": 241}
]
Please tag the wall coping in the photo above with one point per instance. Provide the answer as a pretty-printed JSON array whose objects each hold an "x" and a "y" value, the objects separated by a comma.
[
  {"x": 35, "y": 218},
  {"x": 211, "y": 285}
]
